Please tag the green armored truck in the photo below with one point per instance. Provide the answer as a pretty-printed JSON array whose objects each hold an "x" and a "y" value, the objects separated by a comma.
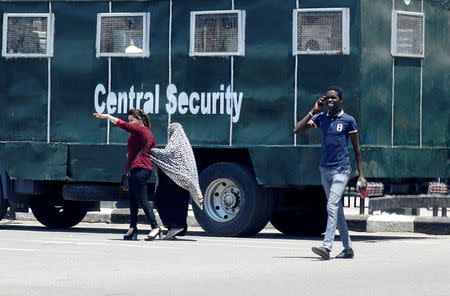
[{"x": 237, "y": 74}]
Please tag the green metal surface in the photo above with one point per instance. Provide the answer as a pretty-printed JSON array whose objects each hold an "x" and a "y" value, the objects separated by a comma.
[
  {"x": 100, "y": 163},
  {"x": 34, "y": 160},
  {"x": 198, "y": 74},
  {"x": 436, "y": 82},
  {"x": 265, "y": 77},
  {"x": 317, "y": 72},
  {"x": 272, "y": 169},
  {"x": 406, "y": 162},
  {"x": 407, "y": 102},
  {"x": 23, "y": 88},
  {"x": 145, "y": 73},
  {"x": 75, "y": 73},
  {"x": 378, "y": 82},
  {"x": 374, "y": 125},
  {"x": 380, "y": 162}
]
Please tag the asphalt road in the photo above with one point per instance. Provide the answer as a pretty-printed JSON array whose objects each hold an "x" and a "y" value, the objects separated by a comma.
[{"x": 91, "y": 259}]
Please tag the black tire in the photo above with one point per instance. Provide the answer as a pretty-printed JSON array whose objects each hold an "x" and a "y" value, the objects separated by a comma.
[
  {"x": 301, "y": 212},
  {"x": 3, "y": 203},
  {"x": 234, "y": 204},
  {"x": 57, "y": 213},
  {"x": 3, "y": 207}
]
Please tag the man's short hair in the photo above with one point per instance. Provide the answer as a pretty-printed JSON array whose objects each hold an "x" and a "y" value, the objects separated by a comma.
[{"x": 337, "y": 89}]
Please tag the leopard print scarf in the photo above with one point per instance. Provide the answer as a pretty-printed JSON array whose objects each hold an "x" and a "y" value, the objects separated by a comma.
[{"x": 177, "y": 161}]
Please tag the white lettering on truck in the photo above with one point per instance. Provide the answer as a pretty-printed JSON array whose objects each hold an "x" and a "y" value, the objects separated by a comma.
[
  {"x": 124, "y": 101},
  {"x": 221, "y": 102}
]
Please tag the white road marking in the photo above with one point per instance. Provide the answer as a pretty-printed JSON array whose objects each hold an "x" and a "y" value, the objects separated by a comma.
[
  {"x": 22, "y": 250},
  {"x": 37, "y": 250},
  {"x": 72, "y": 242}
]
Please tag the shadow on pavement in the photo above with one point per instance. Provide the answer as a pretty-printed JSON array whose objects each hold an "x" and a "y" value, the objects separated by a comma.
[
  {"x": 120, "y": 229},
  {"x": 298, "y": 257}
]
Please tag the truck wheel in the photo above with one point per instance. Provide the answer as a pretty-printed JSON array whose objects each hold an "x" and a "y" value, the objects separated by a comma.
[
  {"x": 301, "y": 215},
  {"x": 57, "y": 213},
  {"x": 3, "y": 206},
  {"x": 3, "y": 202},
  {"x": 234, "y": 204}
]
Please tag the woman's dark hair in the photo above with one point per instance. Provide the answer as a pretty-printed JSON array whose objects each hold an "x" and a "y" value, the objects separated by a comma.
[{"x": 140, "y": 114}]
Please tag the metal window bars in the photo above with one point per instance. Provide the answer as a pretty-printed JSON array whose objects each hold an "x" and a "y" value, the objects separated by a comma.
[
  {"x": 407, "y": 34},
  {"x": 123, "y": 34},
  {"x": 217, "y": 33},
  {"x": 27, "y": 35},
  {"x": 321, "y": 31}
]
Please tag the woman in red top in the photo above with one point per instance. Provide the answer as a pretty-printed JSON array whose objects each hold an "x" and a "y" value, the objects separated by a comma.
[{"x": 139, "y": 144}]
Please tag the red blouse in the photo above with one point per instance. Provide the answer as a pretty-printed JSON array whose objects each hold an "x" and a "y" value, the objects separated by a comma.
[{"x": 136, "y": 141}]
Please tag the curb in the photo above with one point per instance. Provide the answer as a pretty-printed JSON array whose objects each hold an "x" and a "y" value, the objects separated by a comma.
[
  {"x": 432, "y": 225},
  {"x": 360, "y": 223},
  {"x": 399, "y": 223}
]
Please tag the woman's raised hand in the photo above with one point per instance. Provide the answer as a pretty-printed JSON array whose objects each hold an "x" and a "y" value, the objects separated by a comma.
[
  {"x": 107, "y": 116},
  {"x": 98, "y": 115}
]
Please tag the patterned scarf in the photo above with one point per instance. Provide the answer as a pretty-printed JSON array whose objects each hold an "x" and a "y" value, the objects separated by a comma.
[{"x": 177, "y": 161}]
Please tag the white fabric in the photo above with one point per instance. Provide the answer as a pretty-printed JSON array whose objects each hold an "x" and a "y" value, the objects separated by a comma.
[
  {"x": 133, "y": 49},
  {"x": 177, "y": 161}
]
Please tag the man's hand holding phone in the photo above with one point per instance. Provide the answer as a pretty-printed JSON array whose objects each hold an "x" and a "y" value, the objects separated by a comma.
[{"x": 318, "y": 105}]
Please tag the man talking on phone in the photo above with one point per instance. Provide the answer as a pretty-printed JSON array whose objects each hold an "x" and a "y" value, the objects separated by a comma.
[{"x": 336, "y": 126}]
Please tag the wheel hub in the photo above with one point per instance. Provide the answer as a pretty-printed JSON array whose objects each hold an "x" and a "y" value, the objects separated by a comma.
[
  {"x": 222, "y": 200},
  {"x": 230, "y": 200}
]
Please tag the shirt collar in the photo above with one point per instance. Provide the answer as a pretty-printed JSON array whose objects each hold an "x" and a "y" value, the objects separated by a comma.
[{"x": 338, "y": 115}]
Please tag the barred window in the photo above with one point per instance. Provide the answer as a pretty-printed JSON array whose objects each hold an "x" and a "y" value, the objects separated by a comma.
[
  {"x": 27, "y": 35},
  {"x": 123, "y": 34},
  {"x": 321, "y": 31},
  {"x": 217, "y": 33},
  {"x": 407, "y": 36}
]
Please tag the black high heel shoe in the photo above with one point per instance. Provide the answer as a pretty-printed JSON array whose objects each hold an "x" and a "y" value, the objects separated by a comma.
[
  {"x": 154, "y": 233},
  {"x": 131, "y": 234}
]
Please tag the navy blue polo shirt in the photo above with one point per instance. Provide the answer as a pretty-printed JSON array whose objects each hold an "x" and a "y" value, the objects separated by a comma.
[{"x": 335, "y": 131}]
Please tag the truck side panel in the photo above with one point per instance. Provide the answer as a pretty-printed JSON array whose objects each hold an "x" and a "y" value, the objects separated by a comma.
[
  {"x": 199, "y": 74},
  {"x": 75, "y": 73},
  {"x": 34, "y": 160},
  {"x": 317, "y": 72},
  {"x": 145, "y": 73},
  {"x": 266, "y": 75},
  {"x": 23, "y": 87},
  {"x": 385, "y": 79},
  {"x": 436, "y": 82}
]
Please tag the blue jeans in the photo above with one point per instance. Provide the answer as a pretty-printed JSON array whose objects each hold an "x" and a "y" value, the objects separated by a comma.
[{"x": 334, "y": 181}]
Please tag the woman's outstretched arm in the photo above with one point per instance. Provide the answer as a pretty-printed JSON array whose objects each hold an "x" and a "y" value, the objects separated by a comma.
[{"x": 107, "y": 116}]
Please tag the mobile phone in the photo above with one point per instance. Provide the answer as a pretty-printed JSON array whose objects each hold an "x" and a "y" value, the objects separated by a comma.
[{"x": 320, "y": 103}]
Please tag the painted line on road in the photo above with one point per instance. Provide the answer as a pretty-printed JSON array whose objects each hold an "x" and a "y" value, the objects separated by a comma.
[
  {"x": 22, "y": 250},
  {"x": 37, "y": 250},
  {"x": 171, "y": 244},
  {"x": 143, "y": 245},
  {"x": 198, "y": 239}
]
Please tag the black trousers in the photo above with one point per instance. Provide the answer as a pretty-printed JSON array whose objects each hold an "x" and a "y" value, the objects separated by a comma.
[
  {"x": 138, "y": 196},
  {"x": 172, "y": 203}
]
